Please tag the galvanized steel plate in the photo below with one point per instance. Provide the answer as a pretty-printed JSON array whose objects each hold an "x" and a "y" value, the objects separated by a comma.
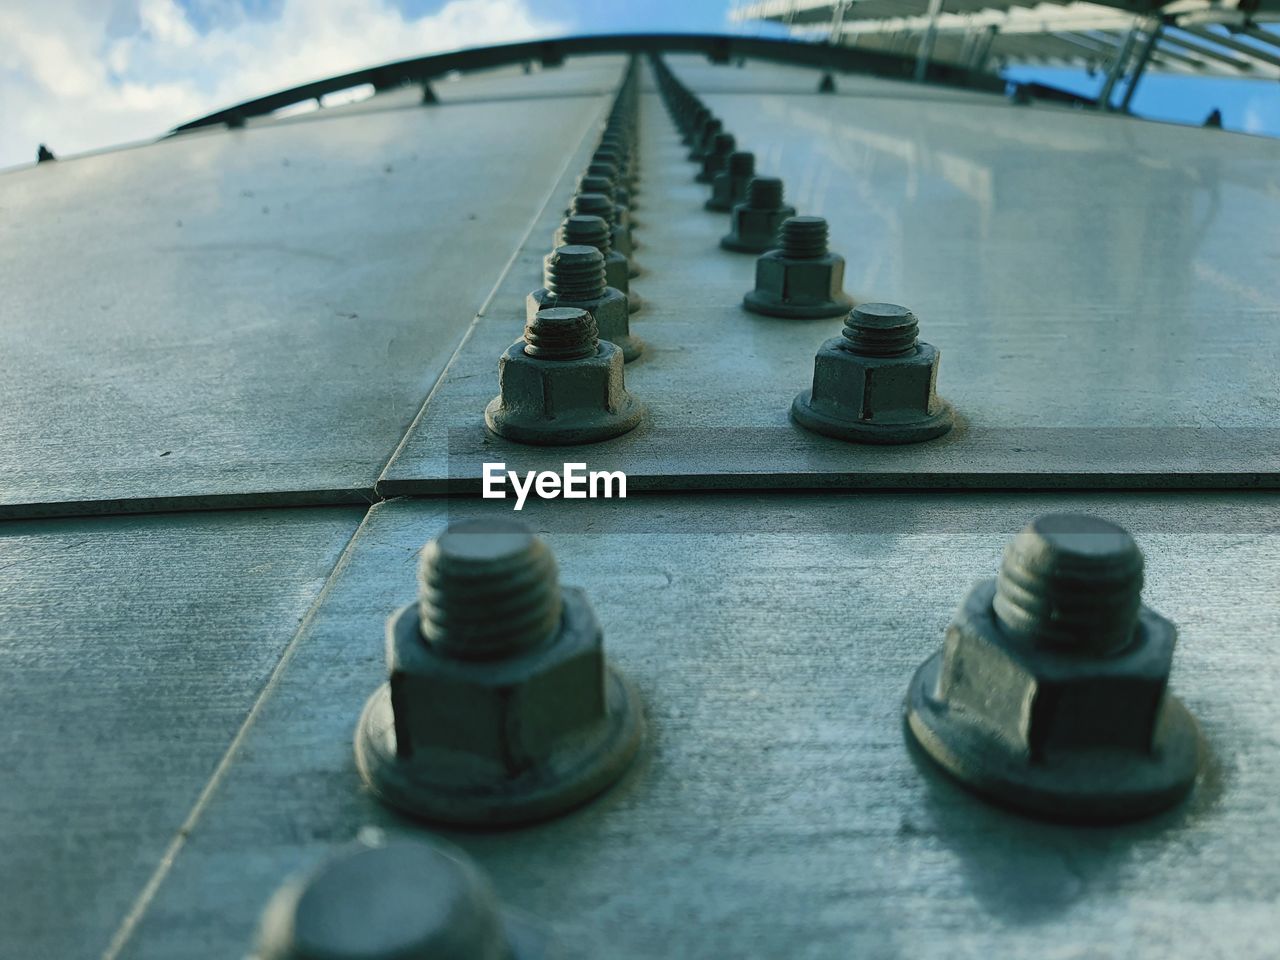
[
  {"x": 777, "y": 810},
  {"x": 131, "y": 651},
  {"x": 1102, "y": 320},
  {"x": 240, "y": 317}
]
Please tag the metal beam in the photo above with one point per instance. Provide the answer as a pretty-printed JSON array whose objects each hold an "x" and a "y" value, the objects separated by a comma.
[
  {"x": 926, "y": 44},
  {"x": 1153, "y": 29},
  {"x": 1117, "y": 69},
  {"x": 983, "y": 51},
  {"x": 1201, "y": 50},
  {"x": 1230, "y": 43}
]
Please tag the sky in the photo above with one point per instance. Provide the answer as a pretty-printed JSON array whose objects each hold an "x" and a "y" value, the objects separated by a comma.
[{"x": 81, "y": 75}]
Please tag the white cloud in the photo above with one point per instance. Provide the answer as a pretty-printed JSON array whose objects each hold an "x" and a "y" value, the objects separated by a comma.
[{"x": 84, "y": 74}]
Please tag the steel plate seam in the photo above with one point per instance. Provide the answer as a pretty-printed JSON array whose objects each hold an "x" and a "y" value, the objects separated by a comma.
[{"x": 131, "y": 919}]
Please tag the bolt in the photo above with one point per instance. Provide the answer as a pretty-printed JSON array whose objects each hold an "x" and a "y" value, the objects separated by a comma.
[
  {"x": 593, "y": 204},
  {"x": 590, "y": 231},
  {"x": 606, "y": 170},
  {"x": 717, "y": 157},
  {"x": 803, "y": 238},
  {"x": 561, "y": 333},
  {"x": 1071, "y": 583},
  {"x": 881, "y": 330},
  {"x": 486, "y": 591},
  {"x": 605, "y": 187},
  {"x": 393, "y": 901},
  {"x": 710, "y": 127},
  {"x": 574, "y": 276},
  {"x": 1050, "y": 691},
  {"x": 560, "y": 385},
  {"x": 764, "y": 193},
  {"x": 876, "y": 383},
  {"x": 693, "y": 128},
  {"x": 595, "y": 184},
  {"x": 729, "y": 188},
  {"x": 801, "y": 279},
  {"x": 599, "y": 205},
  {"x": 500, "y": 706},
  {"x": 756, "y": 221}
]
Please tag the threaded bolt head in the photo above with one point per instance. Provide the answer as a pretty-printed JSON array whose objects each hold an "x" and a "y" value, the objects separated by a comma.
[
  {"x": 585, "y": 230},
  {"x": 408, "y": 898},
  {"x": 1070, "y": 581},
  {"x": 610, "y": 155},
  {"x": 595, "y": 184},
  {"x": 764, "y": 193},
  {"x": 594, "y": 204},
  {"x": 561, "y": 333},
  {"x": 802, "y": 238},
  {"x": 487, "y": 588},
  {"x": 575, "y": 273},
  {"x": 603, "y": 169},
  {"x": 880, "y": 330}
]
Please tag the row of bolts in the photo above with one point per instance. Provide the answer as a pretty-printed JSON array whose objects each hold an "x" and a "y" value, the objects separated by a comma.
[
  {"x": 490, "y": 603},
  {"x": 586, "y": 302}
]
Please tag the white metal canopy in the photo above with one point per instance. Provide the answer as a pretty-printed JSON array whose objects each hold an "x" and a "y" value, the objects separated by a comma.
[{"x": 1229, "y": 38}]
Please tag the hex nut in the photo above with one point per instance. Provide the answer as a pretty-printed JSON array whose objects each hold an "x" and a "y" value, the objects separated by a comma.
[
  {"x": 1054, "y": 726},
  {"x": 488, "y": 718},
  {"x": 754, "y": 230},
  {"x": 802, "y": 279},
  {"x": 729, "y": 186},
  {"x": 754, "y": 223},
  {"x": 394, "y": 900},
  {"x": 559, "y": 402},
  {"x": 867, "y": 394}
]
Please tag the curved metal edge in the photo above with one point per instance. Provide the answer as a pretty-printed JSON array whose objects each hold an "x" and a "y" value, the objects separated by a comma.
[
  {"x": 768, "y": 305},
  {"x": 552, "y": 433},
  {"x": 929, "y": 428},
  {"x": 719, "y": 48}
]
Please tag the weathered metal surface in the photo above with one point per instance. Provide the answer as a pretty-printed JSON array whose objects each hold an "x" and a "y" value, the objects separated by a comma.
[
  {"x": 779, "y": 810},
  {"x": 1100, "y": 321},
  {"x": 254, "y": 316},
  {"x": 131, "y": 651}
]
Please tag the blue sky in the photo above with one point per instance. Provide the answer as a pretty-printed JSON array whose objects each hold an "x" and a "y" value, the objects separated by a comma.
[{"x": 85, "y": 74}]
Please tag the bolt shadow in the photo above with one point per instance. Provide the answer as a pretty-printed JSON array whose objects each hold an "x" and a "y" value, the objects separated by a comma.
[{"x": 1027, "y": 871}]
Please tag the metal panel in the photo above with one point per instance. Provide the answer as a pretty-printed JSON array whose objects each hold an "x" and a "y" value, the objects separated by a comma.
[
  {"x": 777, "y": 810},
  {"x": 1100, "y": 320},
  {"x": 131, "y": 651},
  {"x": 241, "y": 317}
]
